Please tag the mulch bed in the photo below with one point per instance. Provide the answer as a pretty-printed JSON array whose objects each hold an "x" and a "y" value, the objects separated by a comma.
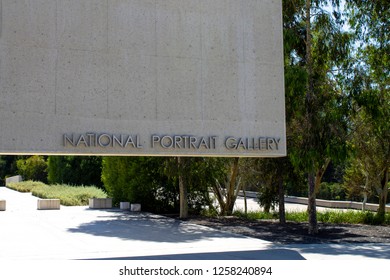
[{"x": 293, "y": 232}]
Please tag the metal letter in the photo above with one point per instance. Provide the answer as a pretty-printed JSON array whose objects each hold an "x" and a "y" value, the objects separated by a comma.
[
  {"x": 82, "y": 141},
  {"x": 177, "y": 140},
  {"x": 270, "y": 142},
  {"x": 262, "y": 143},
  {"x": 68, "y": 140},
  {"x": 193, "y": 140},
  {"x": 101, "y": 144},
  {"x": 138, "y": 143},
  {"x": 170, "y": 140},
  {"x": 277, "y": 141},
  {"x": 241, "y": 144},
  {"x": 203, "y": 142},
  {"x": 118, "y": 141},
  {"x": 155, "y": 139},
  {"x": 130, "y": 141},
  {"x": 229, "y": 143}
]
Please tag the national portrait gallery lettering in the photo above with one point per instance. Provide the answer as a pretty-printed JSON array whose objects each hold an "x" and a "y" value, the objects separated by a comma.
[{"x": 177, "y": 142}]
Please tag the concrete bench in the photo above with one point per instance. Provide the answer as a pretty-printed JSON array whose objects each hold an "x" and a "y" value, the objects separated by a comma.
[
  {"x": 135, "y": 207},
  {"x": 100, "y": 203},
  {"x": 48, "y": 204},
  {"x": 2, "y": 205},
  {"x": 124, "y": 205}
]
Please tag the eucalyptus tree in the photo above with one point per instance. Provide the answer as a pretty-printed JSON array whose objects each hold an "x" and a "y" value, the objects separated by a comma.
[
  {"x": 319, "y": 53},
  {"x": 370, "y": 88}
]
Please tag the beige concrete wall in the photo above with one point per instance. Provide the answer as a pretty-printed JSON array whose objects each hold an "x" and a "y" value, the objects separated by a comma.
[
  {"x": 48, "y": 204},
  {"x": 335, "y": 203},
  {"x": 13, "y": 179},
  {"x": 100, "y": 203},
  {"x": 184, "y": 68},
  {"x": 3, "y": 204}
]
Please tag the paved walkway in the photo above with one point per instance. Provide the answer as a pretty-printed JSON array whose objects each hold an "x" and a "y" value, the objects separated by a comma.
[{"x": 81, "y": 233}]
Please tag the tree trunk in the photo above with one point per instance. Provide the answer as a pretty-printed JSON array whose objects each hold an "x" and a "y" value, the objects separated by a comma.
[
  {"x": 383, "y": 196},
  {"x": 245, "y": 202},
  {"x": 312, "y": 208},
  {"x": 320, "y": 173},
  {"x": 364, "y": 201},
  {"x": 232, "y": 192},
  {"x": 182, "y": 191},
  {"x": 282, "y": 211},
  {"x": 313, "y": 227}
]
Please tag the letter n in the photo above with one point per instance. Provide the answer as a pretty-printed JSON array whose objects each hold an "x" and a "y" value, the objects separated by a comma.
[{"x": 69, "y": 140}]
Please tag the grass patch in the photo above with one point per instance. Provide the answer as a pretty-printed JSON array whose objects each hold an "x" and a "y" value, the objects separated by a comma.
[
  {"x": 68, "y": 195},
  {"x": 331, "y": 216},
  {"x": 257, "y": 215}
]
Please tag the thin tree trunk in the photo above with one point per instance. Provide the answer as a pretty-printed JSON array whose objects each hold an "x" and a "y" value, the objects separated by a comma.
[
  {"x": 245, "y": 202},
  {"x": 282, "y": 211},
  {"x": 364, "y": 201},
  {"x": 231, "y": 192},
  {"x": 383, "y": 197},
  {"x": 320, "y": 173},
  {"x": 182, "y": 191},
  {"x": 313, "y": 227},
  {"x": 312, "y": 207}
]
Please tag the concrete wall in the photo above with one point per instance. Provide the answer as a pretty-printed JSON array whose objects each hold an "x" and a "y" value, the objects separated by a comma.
[
  {"x": 13, "y": 179},
  {"x": 93, "y": 69},
  {"x": 324, "y": 203},
  {"x": 335, "y": 204}
]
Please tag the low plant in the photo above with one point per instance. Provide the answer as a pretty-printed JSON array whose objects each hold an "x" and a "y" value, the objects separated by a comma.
[
  {"x": 252, "y": 215},
  {"x": 331, "y": 216},
  {"x": 25, "y": 186},
  {"x": 68, "y": 195}
]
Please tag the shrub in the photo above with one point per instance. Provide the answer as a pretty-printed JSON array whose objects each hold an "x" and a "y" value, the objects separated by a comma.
[
  {"x": 332, "y": 191},
  {"x": 152, "y": 182},
  {"x": 26, "y": 186},
  {"x": 75, "y": 170},
  {"x": 32, "y": 168},
  {"x": 68, "y": 195}
]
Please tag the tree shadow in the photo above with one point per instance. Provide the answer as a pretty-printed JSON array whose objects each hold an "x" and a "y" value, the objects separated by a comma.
[
  {"x": 147, "y": 227},
  {"x": 372, "y": 250}
]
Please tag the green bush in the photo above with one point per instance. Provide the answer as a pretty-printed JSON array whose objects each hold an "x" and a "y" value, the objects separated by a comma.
[
  {"x": 153, "y": 182},
  {"x": 32, "y": 168},
  {"x": 69, "y": 195},
  {"x": 75, "y": 170},
  {"x": 332, "y": 191}
]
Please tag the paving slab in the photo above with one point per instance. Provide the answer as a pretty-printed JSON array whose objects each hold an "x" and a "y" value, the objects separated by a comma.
[{"x": 78, "y": 232}]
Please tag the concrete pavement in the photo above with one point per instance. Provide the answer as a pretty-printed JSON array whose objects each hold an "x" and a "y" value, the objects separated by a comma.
[{"x": 81, "y": 233}]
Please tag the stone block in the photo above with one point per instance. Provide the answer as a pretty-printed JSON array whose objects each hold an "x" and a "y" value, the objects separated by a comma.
[
  {"x": 124, "y": 205},
  {"x": 2, "y": 205},
  {"x": 100, "y": 203},
  {"x": 135, "y": 207},
  {"x": 48, "y": 204},
  {"x": 13, "y": 179}
]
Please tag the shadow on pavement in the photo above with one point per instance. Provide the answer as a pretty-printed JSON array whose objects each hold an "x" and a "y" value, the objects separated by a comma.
[
  {"x": 147, "y": 227},
  {"x": 273, "y": 254},
  {"x": 368, "y": 250}
]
